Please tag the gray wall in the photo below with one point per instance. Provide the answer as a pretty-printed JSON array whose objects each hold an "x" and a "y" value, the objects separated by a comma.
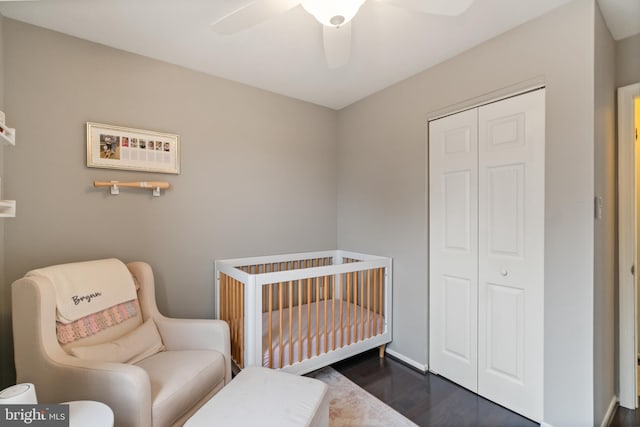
[
  {"x": 628, "y": 61},
  {"x": 6, "y": 349},
  {"x": 382, "y": 193},
  {"x": 605, "y": 259},
  {"x": 258, "y": 169}
]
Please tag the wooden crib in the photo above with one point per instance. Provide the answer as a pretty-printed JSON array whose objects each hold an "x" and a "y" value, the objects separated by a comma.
[{"x": 300, "y": 312}]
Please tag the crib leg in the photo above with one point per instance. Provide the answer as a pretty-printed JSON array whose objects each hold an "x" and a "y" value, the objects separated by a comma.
[{"x": 381, "y": 351}]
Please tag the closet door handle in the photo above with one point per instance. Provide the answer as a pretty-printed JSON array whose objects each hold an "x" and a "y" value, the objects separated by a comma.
[{"x": 504, "y": 273}]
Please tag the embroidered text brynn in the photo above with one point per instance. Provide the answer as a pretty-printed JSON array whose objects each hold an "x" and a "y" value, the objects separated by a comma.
[{"x": 77, "y": 300}]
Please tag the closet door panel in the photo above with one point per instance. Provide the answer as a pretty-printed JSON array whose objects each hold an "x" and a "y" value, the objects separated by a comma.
[
  {"x": 505, "y": 204},
  {"x": 453, "y": 228},
  {"x": 505, "y": 332},
  {"x": 456, "y": 217},
  {"x": 511, "y": 252},
  {"x": 457, "y": 295}
]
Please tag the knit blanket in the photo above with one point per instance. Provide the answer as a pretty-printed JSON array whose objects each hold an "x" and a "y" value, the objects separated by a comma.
[
  {"x": 85, "y": 288},
  {"x": 96, "y": 322}
]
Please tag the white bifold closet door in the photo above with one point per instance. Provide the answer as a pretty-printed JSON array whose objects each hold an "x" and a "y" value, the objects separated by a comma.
[{"x": 486, "y": 251}]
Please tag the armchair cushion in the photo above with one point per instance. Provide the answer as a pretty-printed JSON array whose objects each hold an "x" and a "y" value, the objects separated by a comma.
[
  {"x": 180, "y": 378},
  {"x": 138, "y": 344}
]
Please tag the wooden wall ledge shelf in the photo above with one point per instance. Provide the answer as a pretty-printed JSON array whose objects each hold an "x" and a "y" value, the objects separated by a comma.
[{"x": 156, "y": 186}]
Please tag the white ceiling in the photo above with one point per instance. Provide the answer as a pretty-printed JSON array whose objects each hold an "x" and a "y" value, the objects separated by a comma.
[
  {"x": 284, "y": 54},
  {"x": 622, "y": 17}
]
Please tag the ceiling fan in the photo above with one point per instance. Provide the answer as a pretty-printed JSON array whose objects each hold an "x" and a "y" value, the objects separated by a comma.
[{"x": 334, "y": 15}]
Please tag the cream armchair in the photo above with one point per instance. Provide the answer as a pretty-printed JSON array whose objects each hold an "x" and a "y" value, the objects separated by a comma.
[{"x": 161, "y": 390}]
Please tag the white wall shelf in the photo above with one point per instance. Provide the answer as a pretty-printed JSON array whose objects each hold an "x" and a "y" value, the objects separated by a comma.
[
  {"x": 7, "y": 208},
  {"x": 7, "y": 137},
  {"x": 7, "y": 134}
]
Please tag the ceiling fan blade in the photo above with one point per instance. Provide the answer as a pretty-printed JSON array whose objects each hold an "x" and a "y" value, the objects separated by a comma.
[
  {"x": 251, "y": 14},
  {"x": 435, "y": 7},
  {"x": 337, "y": 44}
]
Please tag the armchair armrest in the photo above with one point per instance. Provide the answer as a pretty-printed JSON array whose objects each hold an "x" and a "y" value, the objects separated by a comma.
[
  {"x": 124, "y": 388},
  {"x": 196, "y": 334}
]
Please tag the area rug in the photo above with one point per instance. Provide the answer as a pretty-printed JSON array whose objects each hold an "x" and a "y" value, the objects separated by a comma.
[{"x": 351, "y": 406}]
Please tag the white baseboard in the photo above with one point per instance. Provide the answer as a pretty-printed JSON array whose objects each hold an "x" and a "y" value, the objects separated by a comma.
[
  {"x": 419, "y": 366},
  {"x": 611, "y": 411}
]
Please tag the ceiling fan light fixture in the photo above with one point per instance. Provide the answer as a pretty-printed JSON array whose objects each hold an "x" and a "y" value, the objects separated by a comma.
[{"x": 333, "y": 13}]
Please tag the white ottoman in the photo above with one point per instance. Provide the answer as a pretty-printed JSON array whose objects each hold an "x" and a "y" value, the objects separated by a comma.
[
  {"x": 84, "y": 413},
  {"x": 265, "y": 397}
]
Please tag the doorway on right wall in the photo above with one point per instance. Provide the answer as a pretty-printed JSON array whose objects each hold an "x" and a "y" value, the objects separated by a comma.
[{"x": 628, "y": 253}]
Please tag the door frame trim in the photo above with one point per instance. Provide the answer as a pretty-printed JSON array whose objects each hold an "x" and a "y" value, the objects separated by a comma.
[
  {"x": 489, "y": 98},
  {"x": 627, "y": 238}
]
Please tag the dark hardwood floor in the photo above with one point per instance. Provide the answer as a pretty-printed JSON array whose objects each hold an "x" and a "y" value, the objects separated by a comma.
[
  {"x": 625, "y": 418},
  {"x": 427, "y": 400},
  {"x": 430, "y": 400}
]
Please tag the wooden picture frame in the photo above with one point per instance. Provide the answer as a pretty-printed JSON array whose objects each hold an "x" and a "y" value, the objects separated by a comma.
[{"x": 117, "y": 147}]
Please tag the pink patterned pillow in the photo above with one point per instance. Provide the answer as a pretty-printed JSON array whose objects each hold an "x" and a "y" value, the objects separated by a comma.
[{"x": 133, "y": 347}]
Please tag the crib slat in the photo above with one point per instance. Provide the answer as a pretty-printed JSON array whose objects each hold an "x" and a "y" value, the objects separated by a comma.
[
  {"x": 308, "y": 326},
  {"x": 333, "y": 312},
  {"x": 355, "y": 306},
  {"x": 368, "y": 303},
  {"x": 348, "y": 325},
  {"x": 342, "y": 295},
  {"x": 375, "y": 303},
  {"x": 380, "y": 301},
  {"x": 361, "y": 305},
  {"x": 229, "y": 302},
  {"x": 239, "y": 320},
  {"x": 280, "y": 337},
  {"x": 316, "y": 299},
  {"x": 299, "y": 321},
  {"x": 290, "y": 321},
  {"x": 270, "y": 321},
  {"x": 325, "y": 284}
]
